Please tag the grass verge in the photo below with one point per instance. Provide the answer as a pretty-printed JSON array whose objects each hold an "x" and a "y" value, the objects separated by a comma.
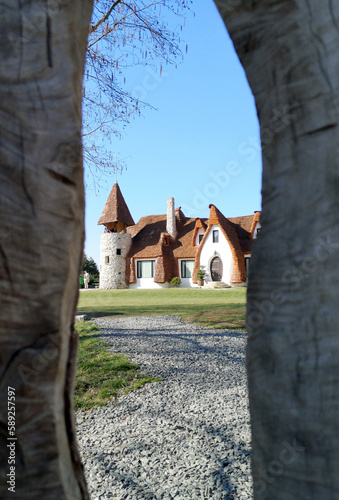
[
  {"x": 217, "y": 308},
  {"x": 102, "y": 375}
]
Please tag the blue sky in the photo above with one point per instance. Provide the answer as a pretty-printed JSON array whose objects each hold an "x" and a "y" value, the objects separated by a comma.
[{"x": 200, "y": 146}]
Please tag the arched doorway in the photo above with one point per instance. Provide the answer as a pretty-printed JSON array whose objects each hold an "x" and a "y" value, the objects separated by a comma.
[{"x": 216, "y": 269}]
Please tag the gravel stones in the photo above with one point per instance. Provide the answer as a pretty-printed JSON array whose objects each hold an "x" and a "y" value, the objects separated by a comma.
[{"x": 187, "y": 437}]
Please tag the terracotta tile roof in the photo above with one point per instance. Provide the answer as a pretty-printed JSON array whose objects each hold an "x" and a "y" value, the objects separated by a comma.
[
  {"x": 179, "y": 214},
  {"x": 199, "y": 224},
  {"x": 245, "y": 227},
  {"x": 146, "y": 237},
  {"x": 256, "y": 219},
  {"x": 244, "y": 222},
  {"x": 165, "y": 268},
  {"x": 116, "y": 209},
  {"x": 130, "y": 271}
]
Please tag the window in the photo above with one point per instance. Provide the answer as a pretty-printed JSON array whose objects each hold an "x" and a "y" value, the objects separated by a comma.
[
  {"x": 187, "y": 267},
  {"x": 107, "y": 259},
  {"x": 257, "y": 231},
  {"x": 118, "y": 251},
  {"x": 215, "y": 236},
  {"x": 247, "y": 264},
  {"x": 200, "y": 237},
  {"x": 145, "y": 268}
]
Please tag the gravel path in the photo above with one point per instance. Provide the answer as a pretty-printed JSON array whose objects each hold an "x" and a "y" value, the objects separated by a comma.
[{"x": 186, "y": 437}]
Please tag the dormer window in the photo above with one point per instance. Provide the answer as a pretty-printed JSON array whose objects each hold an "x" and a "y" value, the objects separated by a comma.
[
  {"x": 256, "y": 230},
  {"x": 200, "y": 238}
]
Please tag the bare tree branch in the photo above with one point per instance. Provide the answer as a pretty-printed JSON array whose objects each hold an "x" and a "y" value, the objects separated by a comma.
[
  {"x": 104, "y": 17},
  {"x": 123, "y": 34}
]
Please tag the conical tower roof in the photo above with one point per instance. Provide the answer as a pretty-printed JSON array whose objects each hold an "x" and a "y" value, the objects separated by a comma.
[{"x": 116, "y": 209}]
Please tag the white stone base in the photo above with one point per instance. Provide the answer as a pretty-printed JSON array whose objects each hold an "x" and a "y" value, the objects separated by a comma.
[{"x": 113, "y": 250}]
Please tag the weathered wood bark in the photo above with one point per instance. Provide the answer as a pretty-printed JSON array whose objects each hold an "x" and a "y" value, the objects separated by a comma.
[
  {"x": 289, "y": 50},
  {"x": 42, "y": 230}
]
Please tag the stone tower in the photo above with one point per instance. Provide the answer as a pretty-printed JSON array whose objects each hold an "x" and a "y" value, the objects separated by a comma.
[{"x": 115, "y": 242}]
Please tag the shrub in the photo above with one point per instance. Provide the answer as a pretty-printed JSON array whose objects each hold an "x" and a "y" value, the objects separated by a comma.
[
  {"x": 93, "y": 279},
  {"x": 176, "y": 281},
  {"x": 201, "y": 273}
]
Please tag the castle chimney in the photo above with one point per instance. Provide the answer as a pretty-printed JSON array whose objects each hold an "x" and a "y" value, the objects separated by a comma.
[{"x": 171, "y": 227}]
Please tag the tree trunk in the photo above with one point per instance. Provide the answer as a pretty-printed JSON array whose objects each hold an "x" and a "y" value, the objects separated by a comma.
[
  {"x": 42, "y": 56},
  {"x": 289, "y": 50}
]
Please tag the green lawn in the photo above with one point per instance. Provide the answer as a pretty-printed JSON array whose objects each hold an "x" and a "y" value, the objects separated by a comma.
[
  {"x": 218, "y": 308},
  {"x": 102, "y": 375}
]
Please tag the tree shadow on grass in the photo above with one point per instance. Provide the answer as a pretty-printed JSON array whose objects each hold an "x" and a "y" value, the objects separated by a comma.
[{"x": 189, "y": 310}]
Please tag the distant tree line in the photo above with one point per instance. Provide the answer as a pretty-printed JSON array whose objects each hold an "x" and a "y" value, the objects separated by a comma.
[{"x": 90, "y": 266}]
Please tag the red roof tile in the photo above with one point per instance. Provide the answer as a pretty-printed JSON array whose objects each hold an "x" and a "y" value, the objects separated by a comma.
[
  {"x": 116, "y": 209},
  {"x": 245, "y": 227}
]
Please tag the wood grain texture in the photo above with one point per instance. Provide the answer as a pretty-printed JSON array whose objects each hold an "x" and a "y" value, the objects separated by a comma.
[
  {"x": 42, "y": 56},
  {"x": 289, "y": 50}
]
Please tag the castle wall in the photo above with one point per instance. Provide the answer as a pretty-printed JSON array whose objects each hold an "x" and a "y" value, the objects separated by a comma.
[{"x": 113, "y": 250}]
